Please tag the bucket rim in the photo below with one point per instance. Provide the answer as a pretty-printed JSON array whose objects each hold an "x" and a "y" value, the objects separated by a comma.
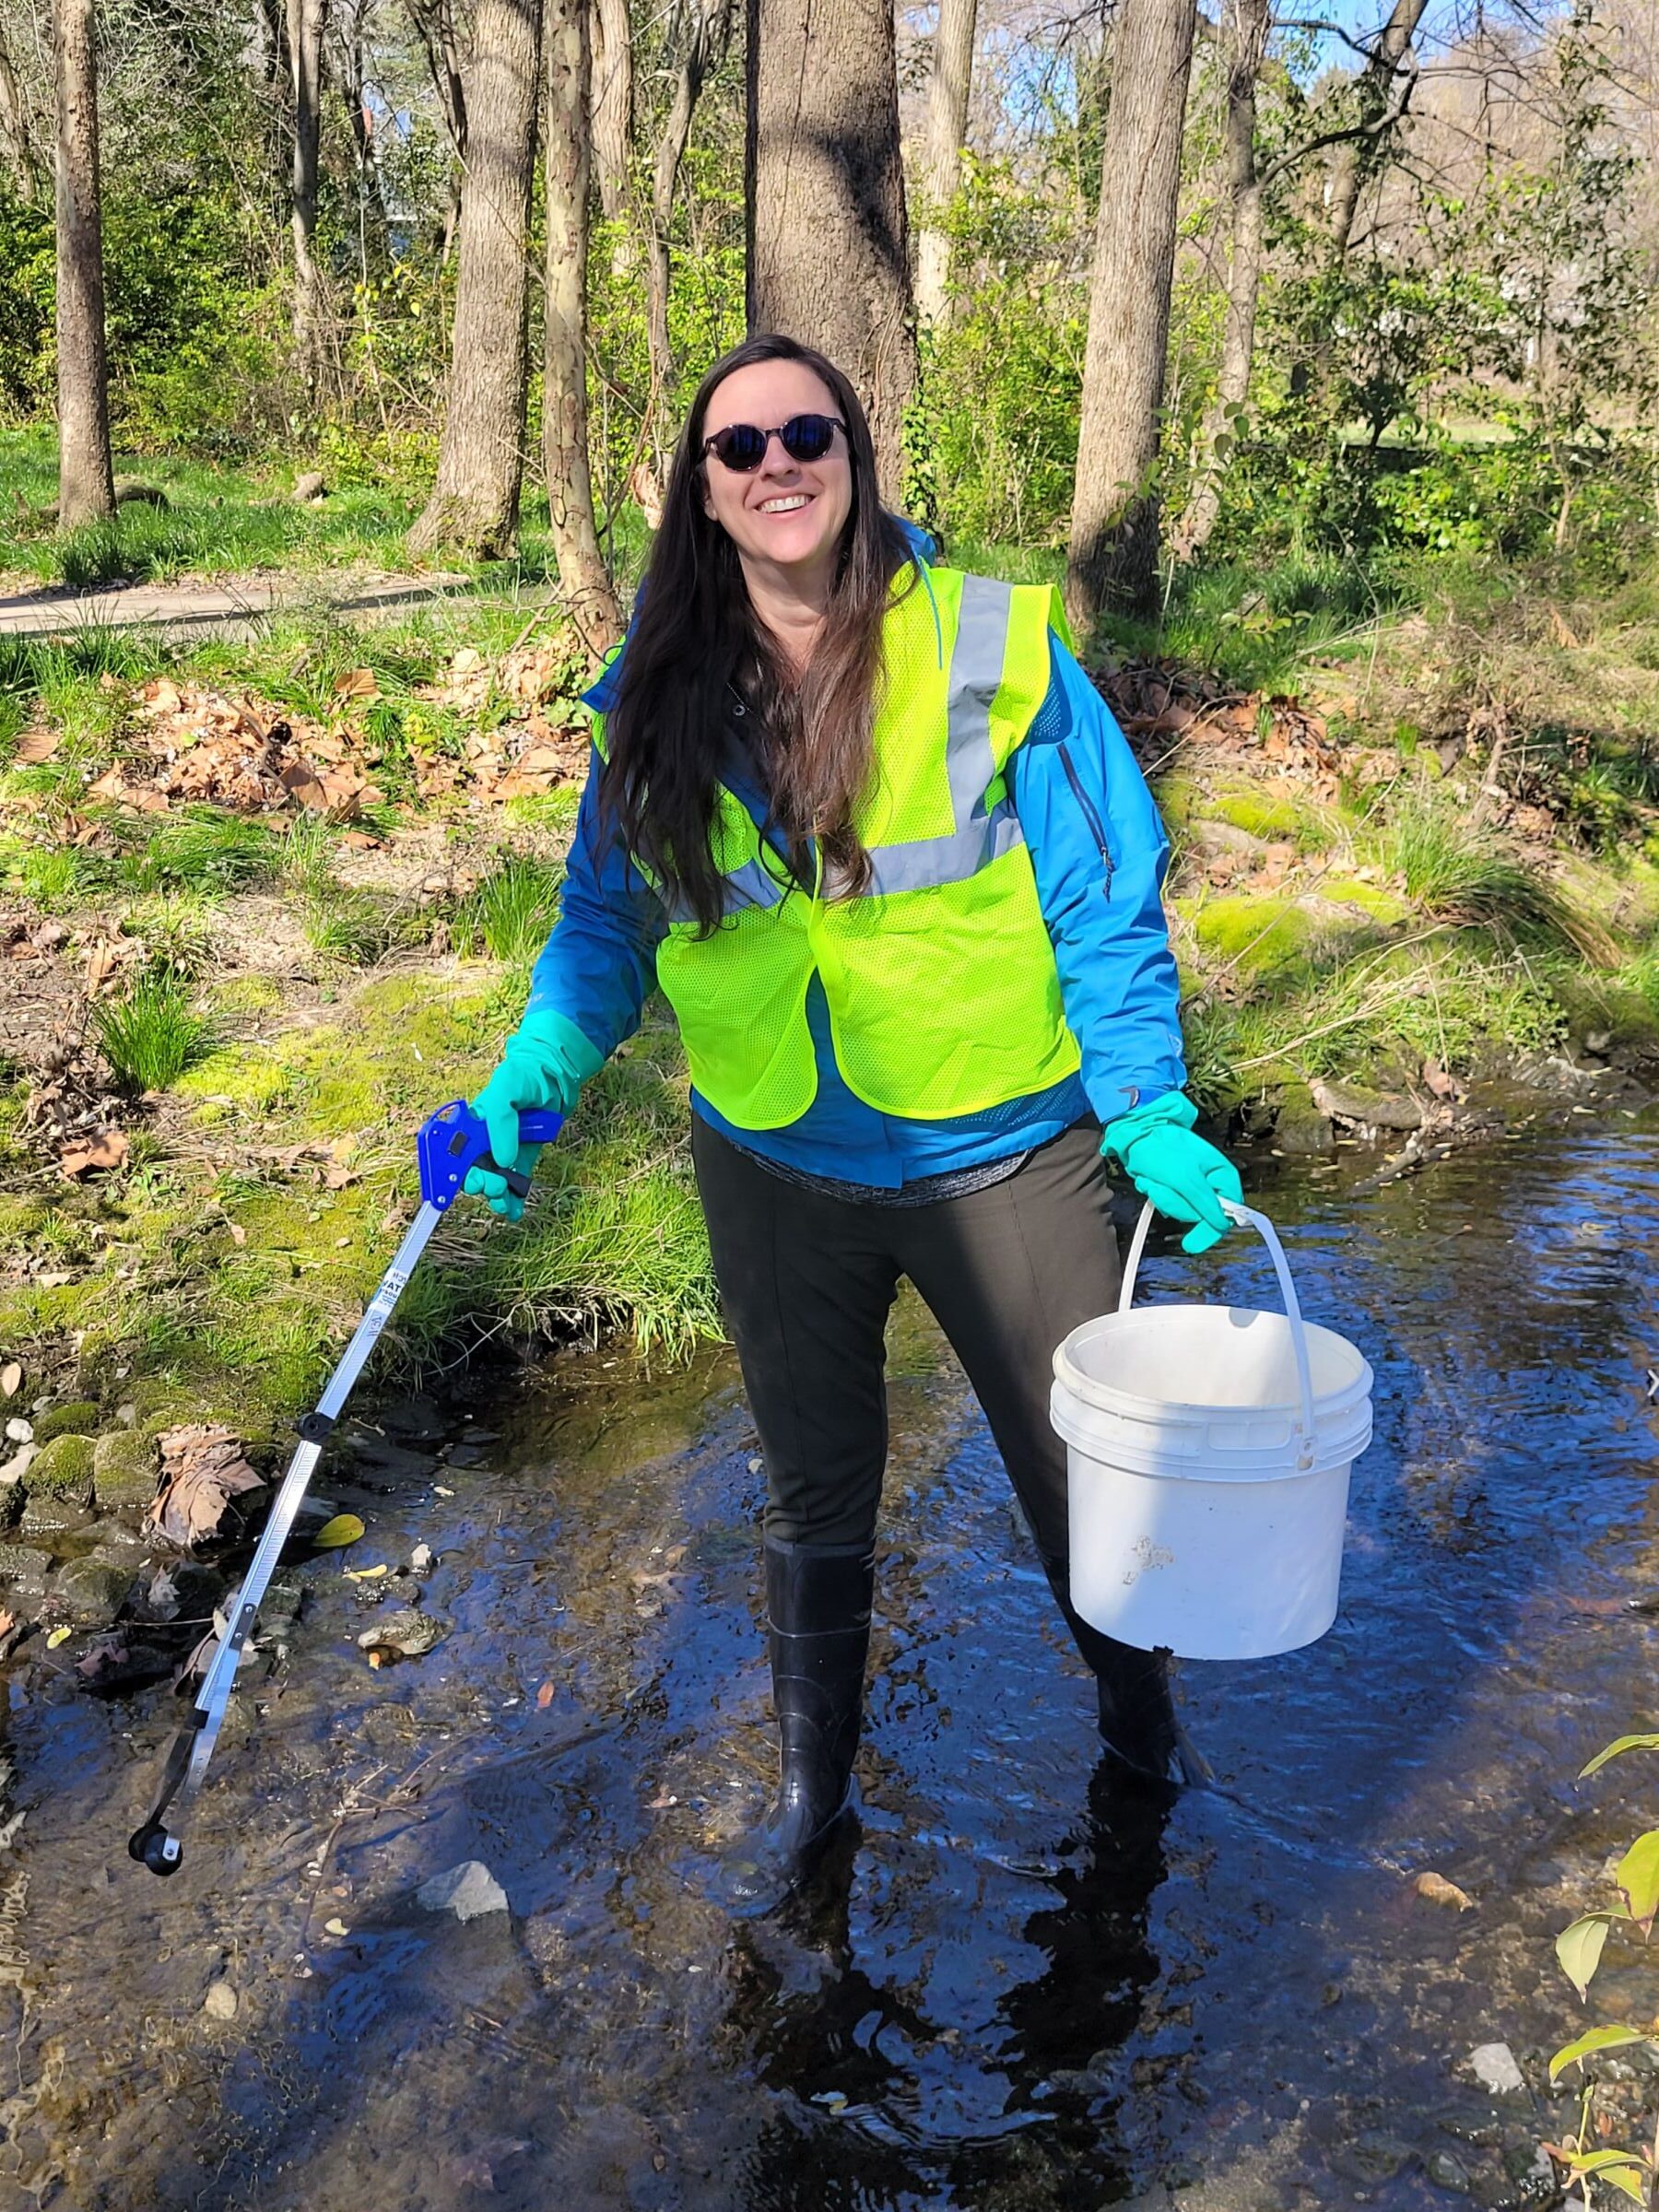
[{"x": 1112, "y": 1398}]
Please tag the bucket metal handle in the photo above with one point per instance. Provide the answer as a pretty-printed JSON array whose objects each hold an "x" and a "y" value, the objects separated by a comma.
[{"x": 1281, "y": 1268}]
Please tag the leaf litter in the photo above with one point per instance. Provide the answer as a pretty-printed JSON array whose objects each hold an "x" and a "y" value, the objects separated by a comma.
[{"x": 203, "y": 1467}]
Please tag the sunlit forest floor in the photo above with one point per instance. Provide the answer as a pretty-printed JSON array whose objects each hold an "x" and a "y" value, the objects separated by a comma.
[{"x": 264, "y": 905}]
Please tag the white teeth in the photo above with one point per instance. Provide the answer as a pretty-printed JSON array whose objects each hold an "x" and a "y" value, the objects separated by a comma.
[{"x": 788, "y": 506}]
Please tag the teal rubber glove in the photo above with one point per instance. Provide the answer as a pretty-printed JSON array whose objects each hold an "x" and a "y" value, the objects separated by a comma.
[
  {"x": 1180, "y": 1172},
  {"x": 545, "y": 1062}
]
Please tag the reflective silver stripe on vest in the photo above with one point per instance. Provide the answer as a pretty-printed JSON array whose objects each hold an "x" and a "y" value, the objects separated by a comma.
[
  {"x": 979, "y": 837},
  {"x": 976, "y": 674},
  {"x": 931, "y": 861}
]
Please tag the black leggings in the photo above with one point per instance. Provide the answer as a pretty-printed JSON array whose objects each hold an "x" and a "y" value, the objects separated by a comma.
[{"x": 807, "y": 1282}]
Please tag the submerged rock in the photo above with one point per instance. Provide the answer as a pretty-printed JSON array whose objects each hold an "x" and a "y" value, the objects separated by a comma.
[
  {"x": 1494, "y": 2067},
  {"x": 405, "y": 1634},
  {"x": 466, "y": 1890},
  {"x": 51, "y": 1516},
  {"x": 88, "y": 1591}
]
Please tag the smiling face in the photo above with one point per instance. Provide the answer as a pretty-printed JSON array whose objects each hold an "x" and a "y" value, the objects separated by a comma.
[{"x": 786, "y": 519}]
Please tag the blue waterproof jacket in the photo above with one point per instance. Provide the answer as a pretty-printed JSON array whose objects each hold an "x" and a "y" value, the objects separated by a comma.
[{"x": 1099, "y": 852}]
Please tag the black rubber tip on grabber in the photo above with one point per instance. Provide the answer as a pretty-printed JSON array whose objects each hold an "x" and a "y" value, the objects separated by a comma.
[{"x": 153, "y": 1847}]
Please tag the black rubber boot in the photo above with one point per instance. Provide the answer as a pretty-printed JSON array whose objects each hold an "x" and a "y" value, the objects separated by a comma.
[
  {"x": 817, "y": 1605},
  {"x": 1139, "y": 1722}
]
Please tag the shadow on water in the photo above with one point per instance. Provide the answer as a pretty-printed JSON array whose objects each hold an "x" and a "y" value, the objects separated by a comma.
[{"x": 1019, "y": 1984}]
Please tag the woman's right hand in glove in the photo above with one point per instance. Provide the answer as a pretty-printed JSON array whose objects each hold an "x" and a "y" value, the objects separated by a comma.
[{"x": 544, "y": 1064}]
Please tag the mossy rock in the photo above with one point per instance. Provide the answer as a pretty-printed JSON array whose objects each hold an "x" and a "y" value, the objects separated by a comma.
[
  {"x": 78, "y": 1418},
  {"x": 1253, "y": 932},
  {"x": 1383, "y": 907},
  {"x": 125, "y": 1465},
  {"x": 64, "y": 1469}
]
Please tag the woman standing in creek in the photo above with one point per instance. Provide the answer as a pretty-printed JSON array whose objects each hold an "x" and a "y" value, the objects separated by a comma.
[{"x": 877, "y": 837}]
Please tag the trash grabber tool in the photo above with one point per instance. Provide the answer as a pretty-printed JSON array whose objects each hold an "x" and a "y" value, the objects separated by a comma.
[{"x": 453, "y": 1140}]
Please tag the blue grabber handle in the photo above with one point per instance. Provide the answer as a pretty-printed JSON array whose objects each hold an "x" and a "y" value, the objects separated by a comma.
[
  {"x": 452, "y": 1140},
  {"x": 456, "y": 1139}
]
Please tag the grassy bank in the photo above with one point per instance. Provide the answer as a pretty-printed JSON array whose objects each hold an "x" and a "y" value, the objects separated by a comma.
[{"x": 1421, "y": 836}]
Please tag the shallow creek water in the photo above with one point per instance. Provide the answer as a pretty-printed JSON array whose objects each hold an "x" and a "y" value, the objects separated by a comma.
[{"x": 1018, "y": 1984}]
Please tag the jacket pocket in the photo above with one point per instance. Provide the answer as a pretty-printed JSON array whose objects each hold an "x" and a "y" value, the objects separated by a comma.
[{"x": 1097, "y": 828}]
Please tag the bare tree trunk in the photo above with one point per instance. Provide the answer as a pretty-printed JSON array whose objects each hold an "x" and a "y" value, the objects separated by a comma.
[
  {"x": 86, "y": 476},
  {"x": 705, "y": 39},
  {"x": 475, "y": 502},
  {"x": 1356, "y": 159},
  {"x": 305, "y": 25},
  {"x": 434, "y": 21},
  {"x": 947, "y": 129},
  {"x": 17, "y": 145},
  {"x": 1114, "y": 558},
  {"x": 1247, "y": 25},
  {"x": 828, "y": 255},
  {"x": 581, "y": 571},
  {"x": 611, "y": 69}
]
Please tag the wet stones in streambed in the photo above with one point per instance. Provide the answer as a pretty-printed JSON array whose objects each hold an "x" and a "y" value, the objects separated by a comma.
[
  {"x": 45, "y": 1518},
  {"x": 405, "y": 1634},
  {"x": 25, "y": 1570},
  {"x": 414, "y": 1421},
  {"x": 185, "y": 1592},
  {"x": 380, "y": 1460},
  {"x": 88, "y": 1591},
  {"x": 469, "y": 1890}
]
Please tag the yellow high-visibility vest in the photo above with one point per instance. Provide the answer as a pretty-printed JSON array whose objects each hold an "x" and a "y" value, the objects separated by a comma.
[{"x": 943, "y": 994}]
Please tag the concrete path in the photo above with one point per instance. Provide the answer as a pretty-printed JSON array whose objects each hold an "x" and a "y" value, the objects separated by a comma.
[{"x": 232, "y": 607}]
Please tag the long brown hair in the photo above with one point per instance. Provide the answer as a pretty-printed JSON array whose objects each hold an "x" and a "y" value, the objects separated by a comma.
[{"x": 696, "y": 637}]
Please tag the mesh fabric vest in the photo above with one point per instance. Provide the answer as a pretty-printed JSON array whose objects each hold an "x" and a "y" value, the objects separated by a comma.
[{"x": 943, "y": 995}]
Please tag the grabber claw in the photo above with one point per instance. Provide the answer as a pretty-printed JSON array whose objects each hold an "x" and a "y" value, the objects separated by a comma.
[
  {"x": 452, "y": 1140},
  {"x": 152, "y": 1846}
]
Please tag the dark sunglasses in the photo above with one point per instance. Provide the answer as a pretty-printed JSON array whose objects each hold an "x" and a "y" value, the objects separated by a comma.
[{"x": 803, "y": 437}]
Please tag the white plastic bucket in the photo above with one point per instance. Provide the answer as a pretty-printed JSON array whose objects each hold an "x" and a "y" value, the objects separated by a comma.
[{"x": 1209, "y": 1450}]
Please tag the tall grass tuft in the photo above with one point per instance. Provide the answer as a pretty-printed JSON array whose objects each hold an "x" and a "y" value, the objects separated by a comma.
[
  {"x": 202, "y": 850},
  {"x": 155, "y": 1031},
  {"x": 1466, "y": 875},
  {"x": 512, "y": 909}
]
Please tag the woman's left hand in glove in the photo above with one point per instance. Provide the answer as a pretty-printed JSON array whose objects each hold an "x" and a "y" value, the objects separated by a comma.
[{"x": 1180, "y": 1172}]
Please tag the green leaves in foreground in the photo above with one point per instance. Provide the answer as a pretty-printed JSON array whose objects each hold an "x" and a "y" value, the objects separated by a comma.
[
  {"x": 1578, "y": 1947},
  {"x": 1592, "y": 2040},
  {"x": 1638, "y": 1879},
  {"x": 1616, "y": 1749}
]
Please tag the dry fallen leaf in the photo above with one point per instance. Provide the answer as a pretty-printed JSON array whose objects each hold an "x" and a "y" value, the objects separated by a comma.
[
  {"x": 11, "y": 1379},
  {"x": 543, "y": 1696},
  {"x": 203, "y": 1467},
  {"x": 356, "y": 683},
  {"x": 1440, "y": 1891},
  {"x": 107, "y": 1149},
  {"x": 365, "y": 1574},
  {"x": 36, "y": 746},
  {"x": 336, "y": 1927}
]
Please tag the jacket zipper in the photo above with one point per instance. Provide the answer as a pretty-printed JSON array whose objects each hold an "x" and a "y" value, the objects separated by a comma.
[{"x": 1090, "y": 816}]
